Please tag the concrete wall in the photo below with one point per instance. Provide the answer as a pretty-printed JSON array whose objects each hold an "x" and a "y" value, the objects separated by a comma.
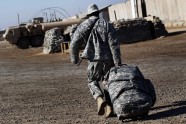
[
  {"x": 120, "y": 11},
  {"x": 171, "y": 12},
  {"x": 168, "y": 10}
]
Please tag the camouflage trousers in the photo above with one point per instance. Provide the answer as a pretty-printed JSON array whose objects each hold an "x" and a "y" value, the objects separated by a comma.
[{"x": 97, "y": 72}]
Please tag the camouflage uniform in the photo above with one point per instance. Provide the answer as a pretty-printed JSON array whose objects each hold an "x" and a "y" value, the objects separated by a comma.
[{"x": 102, "y": 50}]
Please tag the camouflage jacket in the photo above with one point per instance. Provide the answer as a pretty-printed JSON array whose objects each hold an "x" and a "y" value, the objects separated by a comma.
[{"x": 100, "y": 39}]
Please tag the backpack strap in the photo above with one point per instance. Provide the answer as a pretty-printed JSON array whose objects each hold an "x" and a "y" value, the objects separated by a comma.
[
  {"x": 128, "y": 88},
  {"x": 92, "y": 26},
  {"x": 123, "y": 90},
  {"x": 88, "y": 37}
]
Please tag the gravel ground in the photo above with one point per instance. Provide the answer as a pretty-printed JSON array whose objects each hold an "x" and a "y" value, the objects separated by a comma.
[{"x": 47, "y": 89}]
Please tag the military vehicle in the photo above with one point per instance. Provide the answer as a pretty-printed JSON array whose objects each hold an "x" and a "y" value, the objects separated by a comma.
[
  {"x": 32, "y": 34},
  {"x": 1, "y": 34}
]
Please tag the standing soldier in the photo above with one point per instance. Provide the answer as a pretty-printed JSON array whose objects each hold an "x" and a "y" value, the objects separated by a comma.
[{"x": 102, "y": 50}]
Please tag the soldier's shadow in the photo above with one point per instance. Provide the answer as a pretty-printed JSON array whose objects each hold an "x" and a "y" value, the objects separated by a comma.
[{"x": 177, "y": 108}]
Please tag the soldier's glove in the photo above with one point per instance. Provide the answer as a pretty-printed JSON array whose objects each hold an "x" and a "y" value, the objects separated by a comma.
[
  {"x": 75, "y": 60},
  {"x": 105, "y": 84},
  {"x": 118, "y": 64}
]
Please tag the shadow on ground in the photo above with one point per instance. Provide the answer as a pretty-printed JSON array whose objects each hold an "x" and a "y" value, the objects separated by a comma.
[
  {"x": 177, "y": 108},
  {"x": 176, "y": 33}
]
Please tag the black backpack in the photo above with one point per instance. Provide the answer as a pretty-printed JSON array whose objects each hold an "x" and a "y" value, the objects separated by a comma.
[{"x": 131, "y": 94}]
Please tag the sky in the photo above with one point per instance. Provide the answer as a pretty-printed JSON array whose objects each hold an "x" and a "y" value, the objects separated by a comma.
[{"x": 26, "y": 9}]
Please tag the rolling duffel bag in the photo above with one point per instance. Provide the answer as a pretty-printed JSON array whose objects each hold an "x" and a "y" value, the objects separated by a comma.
[{"x": 131, "y": 94}]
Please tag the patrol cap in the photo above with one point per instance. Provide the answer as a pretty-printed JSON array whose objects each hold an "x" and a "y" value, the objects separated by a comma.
[{"x": 92, "y": 8}]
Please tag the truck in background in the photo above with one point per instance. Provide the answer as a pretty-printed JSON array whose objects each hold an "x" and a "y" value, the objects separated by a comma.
[{"x": 32, "y": 34}]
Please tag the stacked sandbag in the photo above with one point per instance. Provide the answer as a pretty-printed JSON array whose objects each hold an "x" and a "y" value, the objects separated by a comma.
[
  {"x": 159, "y": 28},
  {"x": 1, "y": 37},
  {"x": 52, "y": 41},
  {"x": 130, "y": 31}
]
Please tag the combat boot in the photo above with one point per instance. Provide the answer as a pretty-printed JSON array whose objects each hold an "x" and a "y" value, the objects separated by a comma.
[
  {"x": 101, "y": 105},
  {"x": 108, "y": 111}
]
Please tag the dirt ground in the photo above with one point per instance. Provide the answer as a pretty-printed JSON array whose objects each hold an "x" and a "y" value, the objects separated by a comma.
[{"x": 48, "y": 89}]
